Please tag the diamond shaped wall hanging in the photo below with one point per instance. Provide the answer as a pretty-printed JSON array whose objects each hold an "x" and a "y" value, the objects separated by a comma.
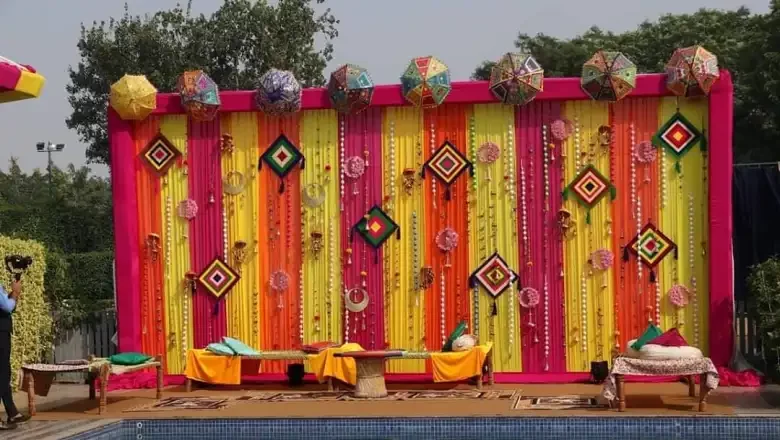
[
  {"x": 281, "y": 156},
  {"x": 589, "y": 187},
  {"x": 447, "y": 163},
  {"x": 218, "y": 278},
  {"x": 650, "y": 246},
  {"x": 678, "y": 135},
  {"x": 376, "y": 227},
  {"x": 160, "y": 154},
  {"x": 494, "y": 275}
]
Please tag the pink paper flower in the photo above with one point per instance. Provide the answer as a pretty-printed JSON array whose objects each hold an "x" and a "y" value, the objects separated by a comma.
[
  {"x": 644, "y": 152},
  {"x": 602, "y": 259},
  {"x": 354, "y": 167},
  {"x": 528, "y": 297},
  {"x": 678, "y": 295},
  {"x": 447, "y": 239},
  {"x": 488, "y": 152},
  {"x": 561, "y": 129},
  {"x": 280, "y": 281}
]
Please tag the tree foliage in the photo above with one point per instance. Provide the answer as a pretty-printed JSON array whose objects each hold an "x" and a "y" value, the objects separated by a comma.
[
  {"x": 744, "y": 43},
  {"x": 235, "y": 46}
]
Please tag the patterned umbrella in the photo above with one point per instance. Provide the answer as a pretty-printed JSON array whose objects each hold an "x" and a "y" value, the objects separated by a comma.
[
  {"x": 133, "y": 97},
  {"x": 350, "y": 89},
  {"x": 18, "y": 81},
  {"x": 608, "y": 76},
  {"x": 279, "y": 93},
  {"x": 691, "y": 71},
  {"x": 516, "y": 78},
  {"x": 426, "y": 82},
  {"x": 199, "y": 95}
]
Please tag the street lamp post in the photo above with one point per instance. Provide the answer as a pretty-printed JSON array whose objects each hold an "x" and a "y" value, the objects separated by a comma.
[{"x": 49, "y": 148}]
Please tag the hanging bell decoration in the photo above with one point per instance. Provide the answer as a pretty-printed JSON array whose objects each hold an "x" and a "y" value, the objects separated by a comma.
[
  {"x": 409, "y": 180},
  {"x": 239, "y": 254},
  {"x": 316, "y": 243}
]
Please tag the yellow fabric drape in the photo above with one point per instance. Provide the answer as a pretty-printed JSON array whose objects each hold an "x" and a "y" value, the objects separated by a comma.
[
  {"x": 491, "y": 207},
  {"x": 322, "y": 272},
  {"x": 207, "y": 367},
  {"x": 459, "y": 365},
  {"x": 325, "y": 365},
  {"x": 178, "y": 304},
  {"x": 241, "y": 211}
]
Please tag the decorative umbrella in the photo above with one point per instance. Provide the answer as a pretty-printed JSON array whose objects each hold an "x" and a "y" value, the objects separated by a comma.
[
  {"x": 279, "y": 93},
  {"x": 516, "y": 78},
  {"x": 133, "y": 97},
  {"x": 691, "y": 71},
  {"x": 426, "y": 82},
  {"x": 199, "y": 95},
  {"x": 608, "y": 76},
  {"x": 18, "y": 81},
  {"x": 350, "y": 89}
]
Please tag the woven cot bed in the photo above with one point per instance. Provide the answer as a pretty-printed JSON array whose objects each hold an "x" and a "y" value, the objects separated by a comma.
[
  {"x": 301, "y": 356},
  {"x": 43, "y": 374}
]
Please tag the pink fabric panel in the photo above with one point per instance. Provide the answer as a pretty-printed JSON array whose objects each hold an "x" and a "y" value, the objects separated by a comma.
[
  {"x": 206, "y": 235},
  {"x": 126, "y": 251},
  {"x": 361, "y": 130},
  {"x": 721, "y": 120},
  {"x": 529, "y": 120}
]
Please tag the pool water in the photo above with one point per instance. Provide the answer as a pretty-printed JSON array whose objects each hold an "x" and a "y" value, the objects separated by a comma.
[{"x": 499, "y": 428}]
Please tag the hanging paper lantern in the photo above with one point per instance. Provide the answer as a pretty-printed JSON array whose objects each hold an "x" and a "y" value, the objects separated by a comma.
[
  {"x": 350, "y": 89},
  {"x": 691, "y": 71},
  {"x": 426, "y": 82},
  {"x": 133, "y": 97},
  {"x": 279, "y": 93},
  {"x": 516, "y": 78},
  {"x": 608, "y": 76},
  {"x": 199, "y": 95}
]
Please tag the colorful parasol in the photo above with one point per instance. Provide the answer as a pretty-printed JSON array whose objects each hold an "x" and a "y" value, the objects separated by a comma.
[
  {"x": 133, "y": 97},
  {"x": 199, "y": 95},
  {"x": 608, "y": 76},
  {"x": 516, "y": 78},
  {"x": 350, "y": 89},
  {"x": 691, "y": 71},
  {"x": 279, "y": 93},
  {"x": 426, "y": 82},
  {"x": 18, "y": 82}
]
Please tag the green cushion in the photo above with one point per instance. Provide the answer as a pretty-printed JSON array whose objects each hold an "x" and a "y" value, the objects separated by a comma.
[
  {"x": 129, "y": 358},
  {"x": 239, "y": 347},
  {"x": 220, "y": 348},
  {"x": 651, "y": 333},
  {"x": 458, "y": 332}
]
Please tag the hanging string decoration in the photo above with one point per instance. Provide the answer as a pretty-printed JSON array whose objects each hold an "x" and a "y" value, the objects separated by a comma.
[
  {"x": 218, "y": 278},
  {"x": 678, "y": 135},
  {"x": 447, "y": 163},
  {"x": 589, "y": 187},
  {"x": 160, "y": 155},
  {"x": 691, "y": 71},
  {"x": 447, "y": 241},
  {"x": 650, "y": 246},
  {"x": 608, "y": 76},
  {"x": 678, "y": 296},
  {"x": 426, "y": 82},
  {"x": 494, "y": 275},
  {"x": 282, "y": 156},
  {"x": 279, "y": 93},
  {"x": 354, "y": 168},
  {"x": 516, "y": 78},
  {"x": 188, "y": 209},
  {"x": 350, "y": 89},
  {"x": 199, "y": 95}
]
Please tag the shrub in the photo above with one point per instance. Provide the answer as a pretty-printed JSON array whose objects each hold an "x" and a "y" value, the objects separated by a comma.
[{"x": 764, "y": 285}]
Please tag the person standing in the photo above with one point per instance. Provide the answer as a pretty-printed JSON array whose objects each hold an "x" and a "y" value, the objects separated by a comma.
[{"x": 8, "y": 302}]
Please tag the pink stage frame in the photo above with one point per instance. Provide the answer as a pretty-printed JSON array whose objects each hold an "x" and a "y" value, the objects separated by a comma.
[{"x": 720, "y": 252}]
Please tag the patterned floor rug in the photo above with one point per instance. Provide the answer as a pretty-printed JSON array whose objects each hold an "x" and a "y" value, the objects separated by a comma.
[
  {"x": 558, "y": 403},
  {"x": 391, "y": 396},
  {"x": 182, "y": 403}
]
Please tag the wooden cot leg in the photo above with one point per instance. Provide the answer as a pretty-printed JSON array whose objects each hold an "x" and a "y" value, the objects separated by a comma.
[
  {"x": 159, "y": 378},
  {"x": 704, "y": 391},
  {"x": 91, "y": 381},
  {"x": 691, "y": 386},
  {"x": 104, "y": 373},
  {"x": 621, "y": 392},
  {"x": 188, "y": 385},
  {"x": 30, "y": 392},
  {"x": 479, "y": 381},
  {"x": 330, "y": 384},
  {"x": 491, "y": 377}
]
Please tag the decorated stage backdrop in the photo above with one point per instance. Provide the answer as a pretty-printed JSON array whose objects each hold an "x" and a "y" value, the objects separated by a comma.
[{"x": 557, "y": 229}]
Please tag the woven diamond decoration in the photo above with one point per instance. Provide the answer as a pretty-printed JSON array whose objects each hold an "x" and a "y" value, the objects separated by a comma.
[
  {"x": 281, "y": 156},
  {"x": 376, "y": 227},
  {"x": 218, "y": 278},
  {"x": 678, "y": 135},
  {"x": 160, "y": 154},
  {"x": 494, "y": 275},
  {"x": 651, "y": 245},
  {"x": 447, "y": 163},
  {"x": 589, "y": 186}
]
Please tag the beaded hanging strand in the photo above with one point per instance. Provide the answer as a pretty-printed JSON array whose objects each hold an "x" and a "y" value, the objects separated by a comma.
[
  {"x": 546, "y": 169},
  {"x": 392, "y": 175},
  {"x": 691, "y": 268},
  {"x": 508, "y": 189},
  {"x": 577, "y": 143}
]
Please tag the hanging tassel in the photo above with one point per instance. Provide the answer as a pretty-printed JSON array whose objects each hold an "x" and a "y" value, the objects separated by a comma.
[
  {"x": 625, "y": 253},
  {"x": 676, "y": 253},
  {"x": 422, "y": 173},
  {"x": 447, "y": 195},
  {"x": 351, "y": 234},
  {"x": 472, "y": 171},
  {"x": 260, "y": 165},
  {"x": 703, "y": 143},
  {"x": 494, "y": 309},
  {"x": 518, "y": 281},
  {"x": 303, "y": 162},
  {"x": 587, "y": 217},
  {"x": 652, "y": 276},
  {"x": 612, "y": 192},
  {"x": 398, "y": 234},
  {"x": 215, "y": 310},
  {"x": 376, "y": 256},
  {"x": 281, "y": 187},
  {"x": 472, "y": 282},
  {"x": 678, "y": 166},
  {"x": 565, "y": 194}
]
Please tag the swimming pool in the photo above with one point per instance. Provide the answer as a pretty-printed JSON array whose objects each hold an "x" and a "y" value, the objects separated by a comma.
[{"x": 499, "y": 428}]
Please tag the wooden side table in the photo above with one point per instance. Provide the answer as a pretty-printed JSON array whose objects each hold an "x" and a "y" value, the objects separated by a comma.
[{"x": 370, "y": 371}]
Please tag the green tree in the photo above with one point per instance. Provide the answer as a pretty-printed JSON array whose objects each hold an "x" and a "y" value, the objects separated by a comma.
[{"x": 237, "y": 44}]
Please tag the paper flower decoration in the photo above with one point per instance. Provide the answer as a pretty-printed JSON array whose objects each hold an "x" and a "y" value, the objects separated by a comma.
[
  {"x": 279, "y": 281},
  {"x": 602, "y": 259},
  {"x": 279, "y": 93},
  {"x": 644, "y": 152},
  {"x": 678, "y": 295},
  {"x": 447, "y": 239},
  {"x": 199, "y": 95},
  {"x": 354, "y": 167},
  {"x": 133, "y": 97},
  {"x": 608, "y": 76},
  {"x": 188, "y": 209},
  {"x": 488, "y": 153},
  {"x": 691, "y": 71},
  {"x": 528, "y": 297},
  {"x": 350, "y": 89},
  {"x": 561, "y": 129},
  {"x": 426, "y": 82},
  {"x": 516, "y": 78}
]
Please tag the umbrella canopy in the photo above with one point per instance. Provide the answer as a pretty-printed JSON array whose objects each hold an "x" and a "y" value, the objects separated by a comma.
[
  {"x": 516, "y": 78},
  {"x": 199, "y": 95},
  {"x": 691, "y": 71},
  {"x": 133, "y": 97},
  {"x": 608, "y": 76},
  {"x": 426, "y": 82},
  {"x": 279, "y": 93},
  {"x": 18, "y": 81},
  {"x": 350, "y": 89}
]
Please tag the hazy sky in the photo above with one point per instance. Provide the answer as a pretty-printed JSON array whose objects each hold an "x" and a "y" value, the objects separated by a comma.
[{"x": 381, "y": 36}]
